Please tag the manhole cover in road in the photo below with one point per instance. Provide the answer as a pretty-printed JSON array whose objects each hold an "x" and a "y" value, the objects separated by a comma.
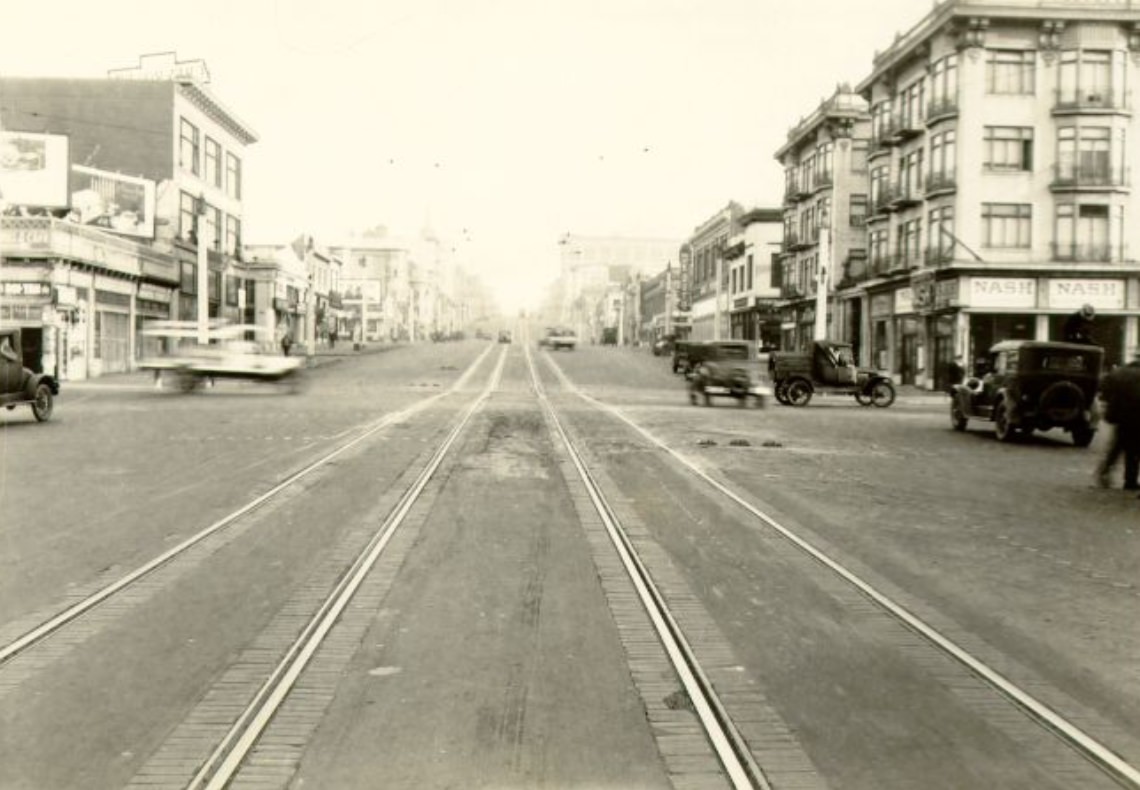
[{"x": 679, "y": 700}]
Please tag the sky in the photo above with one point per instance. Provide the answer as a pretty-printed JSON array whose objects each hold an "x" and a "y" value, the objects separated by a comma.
[{"x": 501, "y": 124}]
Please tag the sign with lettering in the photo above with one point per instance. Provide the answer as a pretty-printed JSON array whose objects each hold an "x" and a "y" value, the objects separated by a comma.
[
  {"x": 946, "y": 293},
  {"x": 163, "y": 66},
  {"x": 1002, "y": 292},
  {"x": 114, "y": 202},
  {"x": 904, "y": 300},
  {"x": 881, "y": 304},
  {"x": 25, "y": 289},
  {"x": 1104, "y": 294}
]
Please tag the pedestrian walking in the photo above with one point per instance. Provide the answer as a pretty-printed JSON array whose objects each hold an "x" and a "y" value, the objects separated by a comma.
[
  {"x": 1120, "y": 391},
  {"x": 286, "y": 342}
]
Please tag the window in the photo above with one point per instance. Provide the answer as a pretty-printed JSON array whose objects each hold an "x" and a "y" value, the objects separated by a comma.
[
  {"x": 879, "y": 187},
  {"x": 944, "y": 85},
  {"x": 233, "y": 236},
  {"x": 188, "y": 217},
  {"x": 1084, "y": 154},
  {"x": 233, "y": 176},
  {"x": 910, "y": 241},
  {"x": 1008, "y": 148},
  {"x": 859, "y": 156},
  {"x": 214, "y": 223},
  {"x": 910, "y": 173},
  {"x": 1006, "y": 224},
  {"x": 877, "y": 246},
  {"x": 1010, "y": 71},
  {"x": 189, "y": 284},
  {"x": 858, "y": 211},
  {"x": 231, "y": 290},
  {"x": 880, "y": 120},
  {"x": 941, "y": 233},
  {"x": 748, "y": 269},
  {"x": 213, "y": 162},
  {"x": 823, "y": 163},
  {"x": 943, "y": 154},
  {"x": 1089, "y": 78},
  {"x": 1083, "y": 232},
  {"x": 188, "y": 158},
  {"x": 911, "y": 111}
]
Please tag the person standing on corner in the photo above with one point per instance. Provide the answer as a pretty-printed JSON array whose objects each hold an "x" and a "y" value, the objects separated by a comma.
[{"x": 1120, "y": 391}]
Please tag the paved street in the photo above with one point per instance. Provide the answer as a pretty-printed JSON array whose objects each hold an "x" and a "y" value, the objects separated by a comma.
[{"x": 493, "y": 644}]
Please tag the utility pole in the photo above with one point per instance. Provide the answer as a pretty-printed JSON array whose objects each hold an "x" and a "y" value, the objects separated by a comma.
[{"x": 204, "y": 236}]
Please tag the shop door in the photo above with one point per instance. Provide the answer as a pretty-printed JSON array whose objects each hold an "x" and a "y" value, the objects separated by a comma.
[
  {"x": 115, "y": 342},
  {"x": 908, "y": 363}
]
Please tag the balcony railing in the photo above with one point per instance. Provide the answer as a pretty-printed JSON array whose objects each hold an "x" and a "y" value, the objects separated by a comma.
[
  {"x": 1093, "y": 101},
  {"x": 908, "y": 195},
  {"x": 1088, "y": 253},
  {"x": 909, "y": 125},
  {"x": 44, "y": 237},
  {"x": 822, "y": 181},
  {"x": 884, "y": 200},
  {"x": 940, "y": 182},
  {"x": 1090, "y": 177},
  {"x": 943, "y": 107},
  {"x": 935, "y": 257}
]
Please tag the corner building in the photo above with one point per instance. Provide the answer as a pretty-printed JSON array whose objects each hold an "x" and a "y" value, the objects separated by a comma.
[{"x": 1000, "y": 182}]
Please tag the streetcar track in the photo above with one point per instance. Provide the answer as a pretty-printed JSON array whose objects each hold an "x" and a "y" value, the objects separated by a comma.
[
  {"x": 729, "y": 745},
  {"x": 241, "y": 738},
  {"x": 1082, "y": 743},
  {"x": 59, "y": 620}
]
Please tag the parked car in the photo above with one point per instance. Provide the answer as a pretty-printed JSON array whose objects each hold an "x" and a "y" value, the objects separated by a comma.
[
  {"x": 19, "y": 384},
  {"x": 1032, "y": 385},
  {"x": 828, "y": 367},
  {"x": 729, "y": 368}
]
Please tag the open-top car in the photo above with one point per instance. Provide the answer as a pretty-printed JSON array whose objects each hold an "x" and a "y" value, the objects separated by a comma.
[
  {"x": 1032, "y": 385},
  {"x": 730, "y": 368},
  {"x": 19, "y": 384},
  {"x": 828, "y": 366}
]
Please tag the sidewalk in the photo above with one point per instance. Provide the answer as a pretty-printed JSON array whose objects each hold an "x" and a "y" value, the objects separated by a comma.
[{"x": 144, "y": 379}]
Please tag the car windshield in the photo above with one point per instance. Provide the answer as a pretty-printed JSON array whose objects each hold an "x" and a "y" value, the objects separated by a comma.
[{"x": 734, "y": 352}]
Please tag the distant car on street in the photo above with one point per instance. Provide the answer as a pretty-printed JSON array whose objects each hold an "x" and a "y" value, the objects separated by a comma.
[
  {"x": 557, "y": 338},
  {"x": 1032, "y": 385},
  {"x": 19, "y": 384},
  {"x": 664, "y": 345},
  {"x": 504, "y": 336}
]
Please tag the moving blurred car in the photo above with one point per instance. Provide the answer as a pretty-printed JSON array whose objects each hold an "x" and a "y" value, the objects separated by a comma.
[
  {"x": 664, "y": 345},
  {"x": 729, "y": 368},
  {"x": 230, "y": 353}
]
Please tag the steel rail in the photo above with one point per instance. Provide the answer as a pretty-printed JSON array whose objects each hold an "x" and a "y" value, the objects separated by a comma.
[
  {"x": 730, "y": 746},
  {"x": 227, "y": 757},
  {"x": 1084, "y": 744},
  {"x": 78, "y": 609}
]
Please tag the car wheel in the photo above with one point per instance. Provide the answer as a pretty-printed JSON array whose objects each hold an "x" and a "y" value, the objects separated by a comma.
[
  {"x": 798, "y": 392},
  {"x": 958, "y": 417},
  {"x": 781, "y": 393},
  {"x": 1083, "y": 434},
  {"x": 882, "y": 394},
  {"x": 43, "y": 403},
  {"x": 1003, "y": 427},
  {"x": 863, "y": 397}
]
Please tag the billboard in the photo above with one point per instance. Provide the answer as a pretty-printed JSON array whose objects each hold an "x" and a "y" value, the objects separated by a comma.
[
  {"x": 34, "y": 169},
  {"x": 113, "y": 202}
]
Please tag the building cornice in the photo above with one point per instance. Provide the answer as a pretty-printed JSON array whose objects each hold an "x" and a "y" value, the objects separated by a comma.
[
  {"x": 907, "y": 45},
  {"x": 208, "y": 104}
]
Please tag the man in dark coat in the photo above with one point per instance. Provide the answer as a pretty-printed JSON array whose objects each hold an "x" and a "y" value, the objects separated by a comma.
[
  {"x": 1079, "y": 326},
  {"x": 1120, "y": 391}
]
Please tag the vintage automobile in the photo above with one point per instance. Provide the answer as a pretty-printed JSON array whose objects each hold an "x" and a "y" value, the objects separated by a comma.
[
  {"x": 730, "y": 368},
  {"x": 827, "y": 367},
  {"x": 19, "y": 384},
  {"x": 232, "y": 351},
  {"x": 1032, "y": 385},
  {"x": 559, "y": 338},
  {"x": 664, "y": 345},
  {"x": 504, "y": 336}
]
